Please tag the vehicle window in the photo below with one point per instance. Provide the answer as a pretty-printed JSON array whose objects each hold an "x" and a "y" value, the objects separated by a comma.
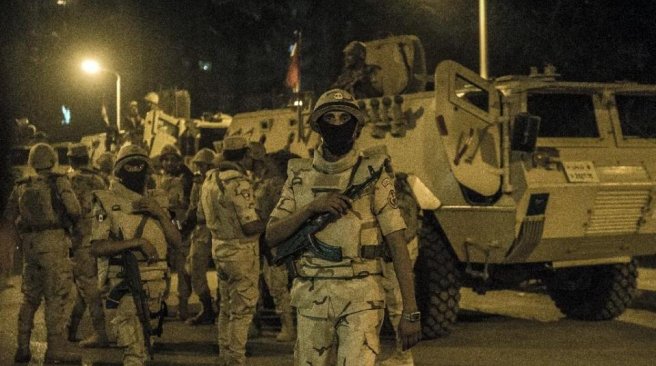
[
  {"x": 564, "y": 115},
  {"x": 471, "y": 93},
  {"x": 637, "y": 115}
]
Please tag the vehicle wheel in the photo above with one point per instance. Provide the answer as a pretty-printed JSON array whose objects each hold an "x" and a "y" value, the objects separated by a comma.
[
  {"x": 594, "y": 293},
  {"x": 438, "y": 280}
]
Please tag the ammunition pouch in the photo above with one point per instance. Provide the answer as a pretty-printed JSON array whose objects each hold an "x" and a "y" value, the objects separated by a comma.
[
  {"x": 344, "y": 270},
  {"x": 375, "y": 252}
]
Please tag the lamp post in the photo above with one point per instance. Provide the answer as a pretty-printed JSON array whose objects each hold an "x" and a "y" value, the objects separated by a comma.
[
  {"x": 482, "y": 23},
  {"x": 93, "y": 67}
]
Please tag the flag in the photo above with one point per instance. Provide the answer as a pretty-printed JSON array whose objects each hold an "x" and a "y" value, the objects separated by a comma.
[{"x": 293, "y": 79}]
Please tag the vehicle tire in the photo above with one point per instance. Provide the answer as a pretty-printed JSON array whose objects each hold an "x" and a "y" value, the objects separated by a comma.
[
  {"x": 438, "y": 280},
  {"x": 595, "y": 292}
]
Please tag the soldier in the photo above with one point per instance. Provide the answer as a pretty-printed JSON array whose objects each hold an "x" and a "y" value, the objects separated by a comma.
[
  {"x": 393, "y": 300},
  {"x": 342, "y": 302},
  {"x": 85, "y": 268},
  {"x": 42, "y": 206},
  {"x": 201, "y": 241},
  {"x": 268, "y": 181},
  {"x": 133, "y": 124},
  {"x": 229, "y": 208},
  {"x": 176, "y": 180},
  {"x": 105, "y": 164},
  {"x": 358, "y": 78},
  {"x": 128, "y": 217}
]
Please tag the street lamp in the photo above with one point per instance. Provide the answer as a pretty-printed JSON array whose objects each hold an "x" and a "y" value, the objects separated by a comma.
[{"x": 93, "y": 67}]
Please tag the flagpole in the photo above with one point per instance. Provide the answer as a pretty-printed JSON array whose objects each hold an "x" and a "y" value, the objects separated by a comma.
[{"x": 299, "y": 101}]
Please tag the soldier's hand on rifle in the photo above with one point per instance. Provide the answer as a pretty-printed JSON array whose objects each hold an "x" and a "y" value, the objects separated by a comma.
[
  {"x": 149, "y": 251},
  {"x": 150, "y": 206},
  {"x": 335, "y": 203}
]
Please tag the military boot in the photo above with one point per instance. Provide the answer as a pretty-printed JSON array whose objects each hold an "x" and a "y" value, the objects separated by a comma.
[
  {"x": 23, "y": 354},
  {"x": 206, "y": 315},
  {"x": 287, "y": 330},
  {"x": 59, "y": 350},
  {"x": 183, "y": 308}
]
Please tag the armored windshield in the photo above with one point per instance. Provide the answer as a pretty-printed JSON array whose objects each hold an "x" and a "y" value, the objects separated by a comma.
[
  {"x": 637, "y": 115},
  {"x": 564, "y": 115}
]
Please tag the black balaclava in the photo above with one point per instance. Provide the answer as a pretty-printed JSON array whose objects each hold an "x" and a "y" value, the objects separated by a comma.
[
  {"x": 136, "y": 181},
  {"x": 338, "y": 139}
]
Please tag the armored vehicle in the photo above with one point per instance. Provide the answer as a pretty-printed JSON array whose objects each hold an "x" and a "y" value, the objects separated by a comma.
[{"x": 538, "y": 180}]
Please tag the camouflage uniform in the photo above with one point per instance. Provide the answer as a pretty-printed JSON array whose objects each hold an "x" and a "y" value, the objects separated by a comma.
[
  {"x": 267, "y": 184},
  {"x": 46, "y": 265},
  {"x": 393, "y": 300},
  {"x": 343, "y": 301},
  {"x": 176, "y": 190},
  {"x": 358, "y": 78},
  {"x": 228, "y": 204},
  {"x": 113, "y": 215}
]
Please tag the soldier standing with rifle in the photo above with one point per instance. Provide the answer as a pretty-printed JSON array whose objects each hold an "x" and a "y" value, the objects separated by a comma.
[
  {"x": 132, "y": 228},
  {"x": 338, "y": 288},
  {"x": 43, "y": 207},
  {"x": 228, "y": 205},
  {"x": 85, "y": 268}
]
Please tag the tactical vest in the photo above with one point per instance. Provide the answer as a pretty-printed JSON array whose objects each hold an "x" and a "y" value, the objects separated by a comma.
[
  {"x": 85, "y": 182},
  {"x": 36, "y": 204},
  {"x": 351, "y": 232},
  {"x": 124, "y": 221},
  {"x": 219, "y": 212}
]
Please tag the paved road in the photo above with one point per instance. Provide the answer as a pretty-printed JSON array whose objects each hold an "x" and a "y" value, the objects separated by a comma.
[{"x": 500, "y": 328}]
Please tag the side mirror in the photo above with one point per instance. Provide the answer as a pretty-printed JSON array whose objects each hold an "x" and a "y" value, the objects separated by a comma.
[{"x": 524, "y": 131}]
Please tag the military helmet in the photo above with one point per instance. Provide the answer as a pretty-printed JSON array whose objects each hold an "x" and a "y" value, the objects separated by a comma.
[
  {"x": 232, "y": 143},
  {"x": 170, "y": 149},
  {"x": 42, "y": 156},
  {"x": 129, "y": 153},
  {"x": 105, "y": 162},
  {"x": 356, "y": 48},
  {"x": 77, "y": 150},
  {"x": 204, "y": 155},
  {"x": 152, "y": 97},
  {"x": 335, "y": 100}
]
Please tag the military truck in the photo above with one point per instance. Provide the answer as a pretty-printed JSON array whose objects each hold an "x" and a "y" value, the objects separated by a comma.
[{"x": 538, "y": 180}]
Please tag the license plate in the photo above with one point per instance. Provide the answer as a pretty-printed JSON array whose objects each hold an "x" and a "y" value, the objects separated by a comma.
[{"x": 580, "y": 172}]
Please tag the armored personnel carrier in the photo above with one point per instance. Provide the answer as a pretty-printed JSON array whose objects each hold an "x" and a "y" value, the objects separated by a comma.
[{"x": 535, "y": 179}]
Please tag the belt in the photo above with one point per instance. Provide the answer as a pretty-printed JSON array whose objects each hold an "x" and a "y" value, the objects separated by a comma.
[{"x": 354, "y": 269}]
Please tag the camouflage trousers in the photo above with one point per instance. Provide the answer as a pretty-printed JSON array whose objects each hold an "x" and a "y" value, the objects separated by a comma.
[
  {"x": 177, "y": 260},
  {"x": 355, "y": 335},
  {"x": 126, "y": 326},
  {"x": 46, "y": 274},
  {"x": 237, "y": 265},
  {"x": 85, "y": 275},
  {"x": 276, "y": 280},
  {"x": 199, "y": 256},
  {"x": 393, "y": 299}
]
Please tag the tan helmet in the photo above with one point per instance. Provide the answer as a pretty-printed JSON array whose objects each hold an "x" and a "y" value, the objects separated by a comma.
[
  {"x": 356, "y": 48},
  {"x": 234, "y": 143},
  {"x": 204, "y": 155},
  {"x": 170, "y": 149},
  {"x": 152, "y": 97},
  {"x": 105, "y": 162},
  {"x": 77, "y": 150},
  {"x": 130, "y": 153},
  {"x": 42, "y": 156},
  {"x": 336, "y": 100}
]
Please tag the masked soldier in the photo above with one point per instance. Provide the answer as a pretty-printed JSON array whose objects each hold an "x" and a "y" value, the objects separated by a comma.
[
  {"x": 340, "y": 302},
  {"x": 85, "y": 268},
  {"x": 43, "y": 207},
  {"x": 201, "y": 241},
  {"x": 176, "y": 180},
  {"x": 393, "y": 300},
  {"x": 229, "y": 209},
  {"x": 128, "y": 217},
  {"x": 268, "y": 181},
  {"x": 357, "y": 77}
]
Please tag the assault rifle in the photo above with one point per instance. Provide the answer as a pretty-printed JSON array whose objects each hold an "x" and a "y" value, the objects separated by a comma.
[
  {"x": 303, "y": 239},
  {"x": 131, "y": 284}
]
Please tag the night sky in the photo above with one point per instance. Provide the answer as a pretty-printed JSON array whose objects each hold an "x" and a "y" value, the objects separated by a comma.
[{"x": 158, "y": 44}]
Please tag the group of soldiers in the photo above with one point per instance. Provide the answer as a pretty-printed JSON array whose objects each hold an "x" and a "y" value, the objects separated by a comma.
[{"x": 84, "y": 226}]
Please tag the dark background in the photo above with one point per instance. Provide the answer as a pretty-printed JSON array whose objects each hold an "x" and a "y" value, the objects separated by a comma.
[{"x": 157, "y": 44}]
